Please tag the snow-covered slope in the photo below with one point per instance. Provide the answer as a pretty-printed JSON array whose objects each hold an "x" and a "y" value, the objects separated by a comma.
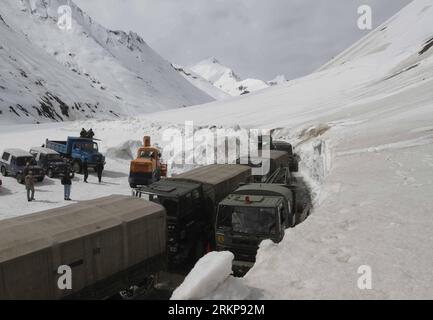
[
  {"x": 364, "y": 129},
  {"x": 225, "y": 78},
  {"x": 280, "y": 79},
  {"x": 88, "y": 71},
  {"x": 201, "y": 83}
]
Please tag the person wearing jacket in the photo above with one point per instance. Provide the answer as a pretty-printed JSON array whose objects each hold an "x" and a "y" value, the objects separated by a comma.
[
  {"x": 30, "y": 186},
  {"x": 99, "y": 168},
  {"x": 67, "y": 184}
]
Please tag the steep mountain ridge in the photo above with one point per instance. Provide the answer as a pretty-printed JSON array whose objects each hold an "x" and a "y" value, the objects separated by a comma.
[
  {"x": 225, "y": 78},
  {"x": 114, "y": 70}
]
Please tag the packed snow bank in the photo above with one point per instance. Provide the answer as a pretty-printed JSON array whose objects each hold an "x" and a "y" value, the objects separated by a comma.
[{"x": 209, "y": 272}]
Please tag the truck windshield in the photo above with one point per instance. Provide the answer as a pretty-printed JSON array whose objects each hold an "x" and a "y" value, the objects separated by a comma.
[
  {"x": 249, "y": 219},
  {"x": 146, "y": 154},
  {"x": 22, "y": 161},
  {"x": 87, "y": 146}
]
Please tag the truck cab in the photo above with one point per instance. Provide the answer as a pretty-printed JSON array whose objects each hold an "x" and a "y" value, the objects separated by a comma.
[
  {"x": 248, "y": 216},
  {"x": 186, "y": 222},
  {"x": 14, "y": 162},
  {"x": 50, "y": 160}
]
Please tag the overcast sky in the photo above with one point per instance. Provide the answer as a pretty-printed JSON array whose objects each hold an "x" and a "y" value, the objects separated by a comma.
[{"x": 257, "y": 38}]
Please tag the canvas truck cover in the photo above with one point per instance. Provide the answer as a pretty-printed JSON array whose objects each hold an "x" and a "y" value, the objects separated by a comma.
[
  {"x": 218, "y": 180},
  {"x": 98, "y": 239}
]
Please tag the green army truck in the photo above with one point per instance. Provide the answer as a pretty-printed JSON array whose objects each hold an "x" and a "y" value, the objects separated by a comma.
[{"x": 256, "y": 212}]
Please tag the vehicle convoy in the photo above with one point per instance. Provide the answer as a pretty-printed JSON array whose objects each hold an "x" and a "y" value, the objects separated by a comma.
[
  {"x": 49, "y": 160},
  {"x": 256, "y": 212},
  {"x": 190, "y": 200},
  {"x": 110, "y": 244},
  {"x": 78, "y": 150},
  {"x": 287, "y": 147},
  {"x": 264, "y": 166},
  {"x": 281, "y": 146},
  {"x": 14, "y": 163},
  {"x": 147, "y": 168}
]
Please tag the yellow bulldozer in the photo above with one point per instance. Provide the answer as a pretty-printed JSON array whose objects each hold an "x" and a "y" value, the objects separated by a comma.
[{"x": 147, "y": 168}]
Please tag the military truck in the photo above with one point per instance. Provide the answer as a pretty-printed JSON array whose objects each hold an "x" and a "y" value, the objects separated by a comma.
[
  {"x": 255, "y": 212},
  {"x": 293, "y": 157},
  {"x": 77, "y": 150},
  {"x": 268, "y": 141},
  {"x": 190, "y": 200},
  {"x": 108, "y": 244},
  {"x": 264, "y": 166}
]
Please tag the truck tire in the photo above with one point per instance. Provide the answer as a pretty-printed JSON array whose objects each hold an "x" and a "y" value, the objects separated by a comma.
[
  {"x": 4, "y": 172},
  {"x": 76, "y": 166},
  {"x": 41, "y": 179}
]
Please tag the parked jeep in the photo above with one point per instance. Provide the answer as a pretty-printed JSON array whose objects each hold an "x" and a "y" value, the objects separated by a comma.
[
  {"x": 49, "y": 160},
  {"x": 14, "y": 161}
]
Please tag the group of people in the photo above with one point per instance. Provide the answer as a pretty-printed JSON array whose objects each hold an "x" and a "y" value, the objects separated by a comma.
[
  {"x": 66, "y": 179},
  {"x": 98, "y": 168},
  {"x": 87, "y": 134}
]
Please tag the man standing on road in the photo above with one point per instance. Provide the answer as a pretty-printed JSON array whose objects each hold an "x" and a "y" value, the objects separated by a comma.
[
  {"x": 67, "y": 184},
  {"x": 99, "y": 168},
  {"x": 30, "y": 186},
  {"x": 85, "y": 170}
]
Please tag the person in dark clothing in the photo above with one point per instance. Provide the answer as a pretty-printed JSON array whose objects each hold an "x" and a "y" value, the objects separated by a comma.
[
  {"x": 67, "y": 184},
  {"x": 30, "y": 186},
  {"x": 26, "y": 169},
  {"x": 83, "y": 133},
  {"x": 99, "y": 168},
  {"x": 90, "y": 134},
  {"x": 85, "y": 170}
]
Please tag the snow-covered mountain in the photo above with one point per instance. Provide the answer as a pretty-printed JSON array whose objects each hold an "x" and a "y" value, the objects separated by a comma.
[
  {"x": 280, "y": 79},
  {"x": 225, "y": 78},
  {"x": 201, "y": 83},
  {"x": 363, "y": 126},
  {"x": 50, "y": 74}
]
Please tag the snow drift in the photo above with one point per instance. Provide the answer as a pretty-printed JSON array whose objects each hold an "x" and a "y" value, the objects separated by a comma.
[{"x": 209, "y": 272}]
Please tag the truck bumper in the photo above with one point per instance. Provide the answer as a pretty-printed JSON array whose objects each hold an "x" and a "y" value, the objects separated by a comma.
[{"x": 141, "y": 179}]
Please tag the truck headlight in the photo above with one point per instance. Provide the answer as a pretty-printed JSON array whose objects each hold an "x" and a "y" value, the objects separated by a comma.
[{"x": 220, "y": 238}]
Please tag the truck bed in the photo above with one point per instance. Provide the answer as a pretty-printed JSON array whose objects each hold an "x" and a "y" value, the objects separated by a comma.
[{"x": 109, "y": 243}]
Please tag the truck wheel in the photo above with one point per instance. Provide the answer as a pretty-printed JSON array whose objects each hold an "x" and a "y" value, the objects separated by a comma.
[
  {"x": 20, "y": 179},
  {"x": 50, "y": 173},
  {"x": 41, "y": 179},
  {"x": 76, "y": 166},
  {"x": 4, "y": 172}
]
